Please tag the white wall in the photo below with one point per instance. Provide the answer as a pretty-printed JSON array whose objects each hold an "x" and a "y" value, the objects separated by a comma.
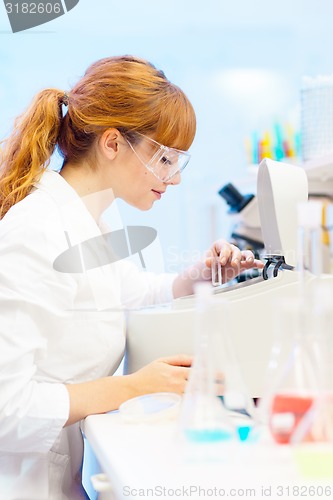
[{"x": 240, "y": 62}]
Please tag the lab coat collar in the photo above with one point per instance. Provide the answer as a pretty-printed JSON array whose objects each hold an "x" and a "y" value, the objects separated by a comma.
[
  {"x": 52, "y": 182},
  {"x": 77, "y": 220},
  {"x": 79, "y": 226}
]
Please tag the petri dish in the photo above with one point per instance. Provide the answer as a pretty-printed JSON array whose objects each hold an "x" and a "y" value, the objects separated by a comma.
[{"x": 151, "y": 407}]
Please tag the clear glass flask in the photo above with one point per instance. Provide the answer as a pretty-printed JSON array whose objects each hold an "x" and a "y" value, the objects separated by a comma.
[
  {"x": 295, "y": 386},
  {"x": 236, "y": 396},
  {"x": 293, "y": 370},
  {"x": 317, "y": 423},
  {"x": 204, "y": 418}
]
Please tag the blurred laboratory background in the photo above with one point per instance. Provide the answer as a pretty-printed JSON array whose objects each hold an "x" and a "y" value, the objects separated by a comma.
[{"x": 241, "y": 63}]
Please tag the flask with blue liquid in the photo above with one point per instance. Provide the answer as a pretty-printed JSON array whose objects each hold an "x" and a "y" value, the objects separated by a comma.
[{"x": 204, "y": 418}]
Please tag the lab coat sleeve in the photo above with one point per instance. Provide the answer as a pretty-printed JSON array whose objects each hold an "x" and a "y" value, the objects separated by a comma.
[
  {"x": 140, "y": 288},
  {"x": 32, "y": 413}
]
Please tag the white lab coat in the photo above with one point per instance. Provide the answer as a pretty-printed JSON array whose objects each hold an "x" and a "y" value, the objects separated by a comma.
[{"x": 55, "y": 328}]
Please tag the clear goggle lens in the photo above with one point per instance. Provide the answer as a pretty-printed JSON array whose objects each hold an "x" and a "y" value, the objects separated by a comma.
[{"x": 167, "y": 162}]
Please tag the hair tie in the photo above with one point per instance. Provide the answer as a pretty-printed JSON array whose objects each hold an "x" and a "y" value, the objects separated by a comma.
[{"x": 65, "y": 99}]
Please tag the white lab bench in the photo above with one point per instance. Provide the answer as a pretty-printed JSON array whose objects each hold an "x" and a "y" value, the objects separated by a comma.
[{"x": 152, "y": 460}]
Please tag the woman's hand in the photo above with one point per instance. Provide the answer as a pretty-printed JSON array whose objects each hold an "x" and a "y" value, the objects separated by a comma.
[
  {"x": 233, "y": 260},
  {"x": 167, "y": 374}
]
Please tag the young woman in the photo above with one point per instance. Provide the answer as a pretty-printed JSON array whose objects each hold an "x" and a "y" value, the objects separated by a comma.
[{"x": 125, "y": 135}]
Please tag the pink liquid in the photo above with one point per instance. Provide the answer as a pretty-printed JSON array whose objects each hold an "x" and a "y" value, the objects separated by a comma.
[{"x": 287, "y": 411}]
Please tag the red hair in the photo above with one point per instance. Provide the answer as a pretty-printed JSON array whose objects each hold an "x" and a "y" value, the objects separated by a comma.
[{"x": 125, "y": 92}]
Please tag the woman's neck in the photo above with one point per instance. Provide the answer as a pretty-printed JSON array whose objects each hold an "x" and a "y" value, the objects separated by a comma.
[{"x": 90, "y": 186}]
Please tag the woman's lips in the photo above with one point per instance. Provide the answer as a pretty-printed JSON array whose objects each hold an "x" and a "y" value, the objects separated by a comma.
[{"x": 158, "y": 194}]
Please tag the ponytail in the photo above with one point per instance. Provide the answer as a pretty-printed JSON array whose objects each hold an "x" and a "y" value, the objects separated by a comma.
[
  {"x": 123, "y": 92},
  {"x": 27, "y": 151}
]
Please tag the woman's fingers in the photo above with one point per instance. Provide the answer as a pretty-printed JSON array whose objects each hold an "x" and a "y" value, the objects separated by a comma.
[
  {"x": 231, "y": 258},
  {"x": 177, "y": 360},
  {"x": 225, "y": 252},
  {"x": 230, "y": 254},
  {"x": 167, "y": 374},
  {"x": 247, "y": 256},
  {"x": 248, "y": 261}
]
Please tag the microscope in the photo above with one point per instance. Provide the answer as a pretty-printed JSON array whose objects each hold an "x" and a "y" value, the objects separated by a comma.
[
  {"x": 244, "y": 213},
  {"x": 246, "y": 228}
]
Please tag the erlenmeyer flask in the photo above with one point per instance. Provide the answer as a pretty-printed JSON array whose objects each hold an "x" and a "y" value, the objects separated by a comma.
[
  {"x": 294, "y": 377},
  {"x": 203, "y": 416},
  {"x": 317, "y": 423},
  {"x": 236, "y": 397}
]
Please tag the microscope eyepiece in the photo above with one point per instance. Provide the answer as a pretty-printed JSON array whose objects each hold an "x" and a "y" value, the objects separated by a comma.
[{"x": 234, "y": 198}]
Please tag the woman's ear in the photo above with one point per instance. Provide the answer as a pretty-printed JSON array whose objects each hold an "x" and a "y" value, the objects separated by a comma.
[{"x": 109, "y": 143}]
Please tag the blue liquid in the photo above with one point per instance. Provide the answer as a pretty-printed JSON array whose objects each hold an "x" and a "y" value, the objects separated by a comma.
[
  {"x": 244, "y": 432},
  {"x": 208, "y": 435}
]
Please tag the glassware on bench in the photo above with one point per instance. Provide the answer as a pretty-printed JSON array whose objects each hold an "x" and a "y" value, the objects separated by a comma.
[
  {"x": 204, "y": 418},
  {"x": 295, "y": 387},
  {"x": 293, "y": 369},
  {"x": 317, "y": 423},
  {"x": 216, "y": 404}
]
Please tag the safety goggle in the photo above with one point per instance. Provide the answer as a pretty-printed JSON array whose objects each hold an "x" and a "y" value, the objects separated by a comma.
[{"x": 166, "y": 162}]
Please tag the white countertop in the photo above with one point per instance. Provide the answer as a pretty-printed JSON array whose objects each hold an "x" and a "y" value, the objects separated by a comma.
[{"x": 155, "y": 456}]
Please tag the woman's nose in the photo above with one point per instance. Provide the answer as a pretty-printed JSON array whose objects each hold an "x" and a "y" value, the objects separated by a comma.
[{"x": 175, "y": 179}]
